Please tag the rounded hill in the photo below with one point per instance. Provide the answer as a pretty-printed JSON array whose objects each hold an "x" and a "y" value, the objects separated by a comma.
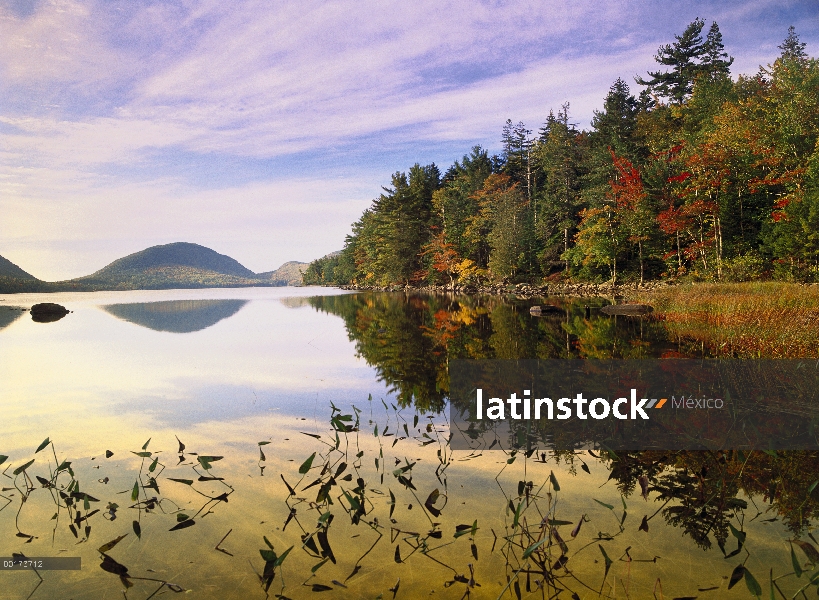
[{"x": 179, "y": 254}]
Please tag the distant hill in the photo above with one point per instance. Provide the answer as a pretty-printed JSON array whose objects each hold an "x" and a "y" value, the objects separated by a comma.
[
  {"x": 180, "y": 264},
  {"x": 288, "y": 274},
  {"x": 9, "y": 269}
]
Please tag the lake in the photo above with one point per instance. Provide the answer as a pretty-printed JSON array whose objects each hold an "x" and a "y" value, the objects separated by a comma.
[{"x": 216, "y": 429}]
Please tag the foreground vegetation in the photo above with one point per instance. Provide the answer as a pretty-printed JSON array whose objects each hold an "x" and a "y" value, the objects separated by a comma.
[
  {"x": 700, "y": 175},
  {"x": 359, "y": 482}
]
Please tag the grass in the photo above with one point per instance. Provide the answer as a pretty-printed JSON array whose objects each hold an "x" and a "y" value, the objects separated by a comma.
[{"x": 743, "y": 320}]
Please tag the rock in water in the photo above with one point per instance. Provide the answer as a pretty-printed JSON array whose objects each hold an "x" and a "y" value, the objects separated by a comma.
[
  {"x": 48, "y": 312},
  {"x": 627, "y": 309},
  {"x": 537, "y": 311}
]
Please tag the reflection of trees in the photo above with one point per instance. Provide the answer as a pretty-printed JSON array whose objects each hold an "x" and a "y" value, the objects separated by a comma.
[
  {"x": 704, "y": 493},
  {"x": 410, "y": 339}
]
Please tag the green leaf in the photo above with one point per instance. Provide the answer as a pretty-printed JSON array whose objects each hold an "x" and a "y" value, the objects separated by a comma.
[
  {"x": 206, "y": 460},
  {"x": 606, "y": 558},
  {"x": 143, "y": 454},
  {"x": 135, "y": 491},
  {"x": 181, "y": 517},
  {"x": 152, "y": 466},
  {"x": 305, "y": 466},
  {"x": 528, "y": 552},
  {"x": 145, "y": 445},
  {"x": 609, "y": 506},
  {"x": 797, "y": 568},
  {"x": 280, "y": 560},
  {"x": 185, "y": 481},
  {"x": 319, "y": 565},
  {"x": 753, "y": 584},
  {"x": 45, "y": 443},
  {"x": 22, "y": 468}
]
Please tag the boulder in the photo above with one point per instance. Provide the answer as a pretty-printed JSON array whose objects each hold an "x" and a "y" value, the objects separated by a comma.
[
  {"x": 537, "y": 311},
  {"x": 47, "y": 312},
  {"x": 627, "y": 309}
]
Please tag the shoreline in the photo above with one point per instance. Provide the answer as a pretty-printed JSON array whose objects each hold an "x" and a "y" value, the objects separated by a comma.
[{"x": 526, "y": 290}]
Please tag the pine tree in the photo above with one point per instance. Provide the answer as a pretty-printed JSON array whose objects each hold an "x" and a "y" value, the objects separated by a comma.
[
  {"x": 715, "y": 60},
  {"x": 792, "y": 48},
  {"x": 683, "y": 57}
]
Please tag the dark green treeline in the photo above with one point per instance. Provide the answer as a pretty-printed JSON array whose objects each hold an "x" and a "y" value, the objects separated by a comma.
[{"x": 700, "y": 176}]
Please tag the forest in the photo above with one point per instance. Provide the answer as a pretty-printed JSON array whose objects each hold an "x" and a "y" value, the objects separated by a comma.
[{"x": 698, "y": 177}]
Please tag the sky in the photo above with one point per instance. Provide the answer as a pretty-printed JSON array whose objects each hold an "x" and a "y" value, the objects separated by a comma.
[{"x": 263, "y": 128}]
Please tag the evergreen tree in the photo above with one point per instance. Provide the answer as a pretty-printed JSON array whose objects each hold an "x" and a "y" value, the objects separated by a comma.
[
  {"x": 683, "y": 57},
  {"x": 715, "y": 61},
  {"x": 792, "y": 48}
]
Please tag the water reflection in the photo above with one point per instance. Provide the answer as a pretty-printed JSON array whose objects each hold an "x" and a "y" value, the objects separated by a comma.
[
  {"x": 176, "y": 316},
  {"x": 9, "y": 314},
  {"x": 410, "y": 339}
]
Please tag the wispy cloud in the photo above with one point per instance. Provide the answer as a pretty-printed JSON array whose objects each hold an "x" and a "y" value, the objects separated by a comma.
[{"x": 103, "y": 101}]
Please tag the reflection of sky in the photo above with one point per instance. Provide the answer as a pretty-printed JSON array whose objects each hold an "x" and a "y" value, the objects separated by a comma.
[{"x": 271, "y": 357}]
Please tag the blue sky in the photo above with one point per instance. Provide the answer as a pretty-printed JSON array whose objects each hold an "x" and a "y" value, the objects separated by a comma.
[{"x": 263, "y": 129}]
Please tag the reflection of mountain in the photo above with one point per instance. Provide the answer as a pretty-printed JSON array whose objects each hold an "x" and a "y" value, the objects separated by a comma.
[
  {"x": 177, "y": 316},
  {"x": 8, "y": 315}
]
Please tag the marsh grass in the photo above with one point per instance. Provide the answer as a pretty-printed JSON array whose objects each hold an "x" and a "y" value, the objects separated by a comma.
[{"x": 742, "y": 320}]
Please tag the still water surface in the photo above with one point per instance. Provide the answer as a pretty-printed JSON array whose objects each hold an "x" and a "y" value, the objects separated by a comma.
[{"x": 249, "y": 375}]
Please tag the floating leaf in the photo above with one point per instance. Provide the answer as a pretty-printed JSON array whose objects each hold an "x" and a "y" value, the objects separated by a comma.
[
  {"x": 643, "y": 524},
  {"x": 319, "y": 587},
  {"x": 809, "y": 550},
  {"x": 797, "y": 568},
  {"x": 736, "y": 575},
  {"x": 137, "y": 529},
  {"x": 44, "y": 443},
  {"x": 22, "y": 468},
  {"x": 108, "y": 546},
  {"x": 183, "y": 525},
  {"x": 319, "y": 565},
  {"x": 3, "y": 458},
  {"x": 108, "y": 454},
  {"x": 185, "y": 481},
  {"x": 143, "y": 454},
  {"x": 305, "y": 466},
  {"x": 553, "y": 479},
  {"x": 206, "y": 460},
  {"x": 752, "y": 583},
  {"x": 606, "y": 558},
  {"x": 397, "y": 556}
]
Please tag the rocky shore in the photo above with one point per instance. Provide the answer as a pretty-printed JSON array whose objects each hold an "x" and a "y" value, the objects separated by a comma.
[{"x": 526, "y": 290}]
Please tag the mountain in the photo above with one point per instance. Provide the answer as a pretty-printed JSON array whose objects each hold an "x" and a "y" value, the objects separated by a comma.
[
  {"x": 177, "y": 265},
  {"x": 9, "y": 269},
  {"x": 288, "y": 274},
  {"x": 169, "y": 266}
]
